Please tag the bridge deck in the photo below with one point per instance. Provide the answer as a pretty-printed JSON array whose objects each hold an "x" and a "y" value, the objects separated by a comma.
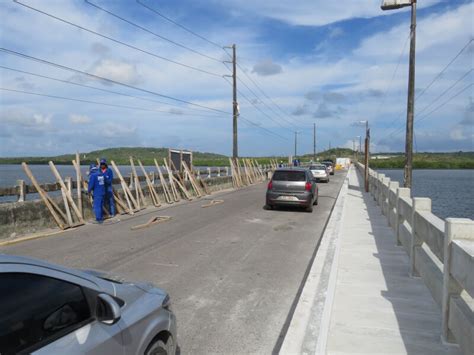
[{"x": 377, "y": 307}]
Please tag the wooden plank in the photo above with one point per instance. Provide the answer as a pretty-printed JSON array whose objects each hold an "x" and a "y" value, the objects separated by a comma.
[
  {"x": 192, "y": 180},
  {"x": 180, "y": 179},
  {"x": 77, "y": 166},
  {"x": 68, "y": 196},
  {"x": 49, "y": 204},
  {"x": 151, "y": 222},
  {"x": 126, "y": 191},
  {"x": 138, "y": 189},
  {"x": 166, "y": 192},
  {"x": 154, "y": 195},
  {"x": 171, "y": 181}
]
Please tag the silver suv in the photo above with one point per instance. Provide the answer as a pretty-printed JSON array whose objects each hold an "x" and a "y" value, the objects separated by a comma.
[
  {"x": 292, "y": 187},
  {"x": 50, "y": 309}
]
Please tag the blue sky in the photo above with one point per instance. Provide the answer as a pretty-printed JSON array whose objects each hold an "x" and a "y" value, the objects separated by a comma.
[{"x": 330, "y": 63}]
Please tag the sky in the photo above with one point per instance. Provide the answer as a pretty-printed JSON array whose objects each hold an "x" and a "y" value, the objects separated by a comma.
[{"x": 155, "y": 74}]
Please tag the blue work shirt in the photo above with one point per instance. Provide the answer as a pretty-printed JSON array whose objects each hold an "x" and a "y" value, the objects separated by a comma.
[
  {"x": 109, "y": 177},
  {"x": 96, "y": 183}
]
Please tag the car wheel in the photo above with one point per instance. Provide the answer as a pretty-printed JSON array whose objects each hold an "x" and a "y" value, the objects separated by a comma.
[
  {"x": 268, "y": 207},
  {"x": 309, "y": 209},
  {"x": 160, "y": 347}
]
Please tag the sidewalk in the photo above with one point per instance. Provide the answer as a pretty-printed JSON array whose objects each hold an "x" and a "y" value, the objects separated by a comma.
[{"x": 371, "y": 305}]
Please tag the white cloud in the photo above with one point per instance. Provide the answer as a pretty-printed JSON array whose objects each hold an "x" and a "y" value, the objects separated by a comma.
[
  {"x": 79, "y": 119},
  {"x": 267, "y": 67},
  {"x": 116, "y": 70},
  {"x": 315, "y": 12}
]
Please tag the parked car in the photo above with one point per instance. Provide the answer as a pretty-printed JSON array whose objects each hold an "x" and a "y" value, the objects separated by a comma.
[
  {"x": 320, "y": 172},
  {"x": 329, "y": 165},
  {"x": 50, "y": 309},
  {"x": 292, "y": 187}
]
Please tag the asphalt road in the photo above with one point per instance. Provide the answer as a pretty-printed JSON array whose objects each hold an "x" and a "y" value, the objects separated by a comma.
[{"x": 233, "y": 270}]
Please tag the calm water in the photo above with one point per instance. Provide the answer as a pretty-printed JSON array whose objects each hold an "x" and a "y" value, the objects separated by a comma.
[{"x": 451, "y": 191}]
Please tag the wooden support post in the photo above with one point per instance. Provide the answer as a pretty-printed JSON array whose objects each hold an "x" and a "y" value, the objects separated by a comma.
[
  {"x": 171, "y": 181},
  {"x": 164, "y": 186},
  {"x": 138, "y": 187},
  {"x": 44, "y": 196},
  {"x": 21, "y": 188},
  {"x": 128, "y": 195},
  {"x": 77, "y": 167},
  {"x": 66, "y": 192},
  {"x": 180, "y": 182},
  {"x": 151, "y": 188}
]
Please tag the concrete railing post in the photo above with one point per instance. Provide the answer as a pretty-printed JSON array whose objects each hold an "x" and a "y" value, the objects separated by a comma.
[
  {"x": 385, "y": 189},
  {"x": 152, "y": 177},
  {"x": 454, "y": 228},
  {"x": 419, "y": 204},
  {"x": 401, "y": 192},
  {"x": 226, "y": 171},
  {"x": 218, "y": 171},
  {"x": 208, "y": 173},
  {"x": 392, "y": 205},
  {"x": 21, "y": 188}
]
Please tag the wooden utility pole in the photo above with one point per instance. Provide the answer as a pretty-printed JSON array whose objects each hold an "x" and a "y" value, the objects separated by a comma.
[
  {"x": 235, "y": 150},
  {"x": 410, "y": 102},
  {"x": 314, "y": 142},
  {"x": 367, "y": 148}
]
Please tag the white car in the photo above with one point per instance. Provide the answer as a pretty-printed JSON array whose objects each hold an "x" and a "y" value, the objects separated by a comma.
[{"x": 320, "y": 172}]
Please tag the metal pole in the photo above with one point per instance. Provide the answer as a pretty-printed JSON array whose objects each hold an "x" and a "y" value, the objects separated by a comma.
[
  {"x": 314, "y": 141},
  {"x": 410, "y": 102},
  {"x": 235, "y": 151},
  {"x": 360, "y": 146}
]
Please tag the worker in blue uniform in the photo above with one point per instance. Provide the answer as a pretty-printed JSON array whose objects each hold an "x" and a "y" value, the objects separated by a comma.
[
  {"x": 109, "y": 202},
  {"x": 97, "y": 186}
]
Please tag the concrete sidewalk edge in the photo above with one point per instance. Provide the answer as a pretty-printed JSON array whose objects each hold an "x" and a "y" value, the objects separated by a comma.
[{"x": 308, "y": 329}]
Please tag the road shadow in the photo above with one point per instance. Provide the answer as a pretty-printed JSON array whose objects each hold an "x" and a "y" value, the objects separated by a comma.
[{"x": 417, "y": 315}]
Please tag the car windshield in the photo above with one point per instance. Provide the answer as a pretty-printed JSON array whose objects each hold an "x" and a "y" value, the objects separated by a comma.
[{"x": 289, "y": 175}]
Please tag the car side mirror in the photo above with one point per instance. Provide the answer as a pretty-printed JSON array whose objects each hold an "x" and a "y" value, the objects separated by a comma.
[{"x": 108, "y": 310}]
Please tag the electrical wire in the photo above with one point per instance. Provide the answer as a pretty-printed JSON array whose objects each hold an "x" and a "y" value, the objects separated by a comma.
[
  {"x": 77, "y": 71},
  {"x": 179, "y": 25},
  {"x": 152, "y": 33},
  {"x": 105, "y": 90},
  {"x": 118, "y": 41},
  {"x": 90, "y": 101}
]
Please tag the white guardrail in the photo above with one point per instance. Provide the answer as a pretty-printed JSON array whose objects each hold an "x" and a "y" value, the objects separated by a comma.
[{"x": 441, "y": 253}]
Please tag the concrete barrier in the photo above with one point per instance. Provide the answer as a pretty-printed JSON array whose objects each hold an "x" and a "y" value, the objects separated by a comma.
[
  {"x": 441, "y": 253},
  {"x": 18, "y": 218}
]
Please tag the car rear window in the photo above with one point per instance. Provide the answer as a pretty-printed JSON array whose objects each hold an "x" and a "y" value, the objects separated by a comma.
[
  {"x": 289, "y": 176},
  {"x": 318, "y": 167}
]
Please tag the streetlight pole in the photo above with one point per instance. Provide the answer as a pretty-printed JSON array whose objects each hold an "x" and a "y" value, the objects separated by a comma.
[
  {"x": 296, "y": 142},
  {"x": 391, "y": 5}
]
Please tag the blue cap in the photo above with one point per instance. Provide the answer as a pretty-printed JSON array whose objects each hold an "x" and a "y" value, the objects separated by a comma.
[
  {"x": 103, "y": 161},
  {"x": 92, "y": 167}
]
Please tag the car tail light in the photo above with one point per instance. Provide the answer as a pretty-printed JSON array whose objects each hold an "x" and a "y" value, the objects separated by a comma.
[
  {"x": 307, "y": 187},
  {"x": 270, "y": 185}
]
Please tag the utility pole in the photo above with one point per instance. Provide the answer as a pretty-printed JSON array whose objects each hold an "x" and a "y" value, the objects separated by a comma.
[
  {"x": 367, "y": 148},
  {"x": 314, "y": 142},
  {"x": 235, "y": 151},
  {"x": 410, "y": 102},
  {"x": 296, "y": 142}
]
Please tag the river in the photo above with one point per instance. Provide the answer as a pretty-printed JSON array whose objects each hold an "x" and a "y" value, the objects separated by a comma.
[{"x": 451, "y": 191}]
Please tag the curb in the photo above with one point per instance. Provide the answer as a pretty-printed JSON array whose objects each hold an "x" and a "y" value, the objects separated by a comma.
[{"x": 309, "y": 326}]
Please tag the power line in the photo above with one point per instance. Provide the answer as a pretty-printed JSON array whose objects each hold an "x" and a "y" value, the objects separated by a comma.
[
  {"x": 440, "y": 73},
  {"x": 118, "y": 41},
  {"x": 104, "y": 90},
  {"x": 179, "y": 25},
  {"x": 444, "y": 69},
  {"x": 263, "y": 128},
  {"x": 445, "y": 91},
  {"x": 77, "y": 71},
  {"x": 425, "y": 116},
  {"x": 152, "y": 33},
  {"x": 88, "y": 101}
]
